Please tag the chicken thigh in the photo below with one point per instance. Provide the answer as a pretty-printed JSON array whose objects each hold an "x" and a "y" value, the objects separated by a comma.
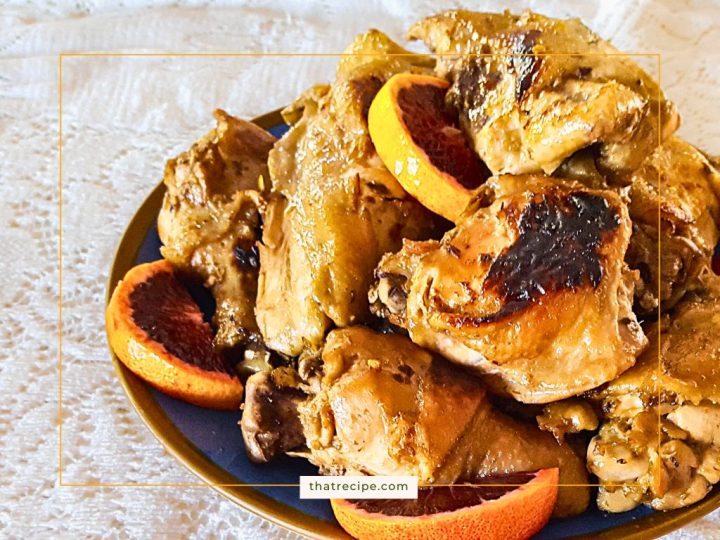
[
  {"x": 531, "y": 291},
  {"x": 674, "y": 205},
  {"x": 532, "y": 90}
]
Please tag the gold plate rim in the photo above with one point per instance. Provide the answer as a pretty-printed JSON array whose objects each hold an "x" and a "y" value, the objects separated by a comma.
[{"x": 247, "y": 497}]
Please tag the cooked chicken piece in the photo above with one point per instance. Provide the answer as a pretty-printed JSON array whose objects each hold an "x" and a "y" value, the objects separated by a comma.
[
  {"x": 682, "y": 185},
  {"x": 387, "y": 407},
  {"x": 528, "y": 102},
  {"x": 335, "y": 208},
  {"x": 678, "y": 182},
  {"x": 210, "y": 219},
  {"x": 531, "y": 291},
  {"x": 660, "y": 441},
  {"x": 567, "y": 416},
  {"x": 270, "y": 422}
]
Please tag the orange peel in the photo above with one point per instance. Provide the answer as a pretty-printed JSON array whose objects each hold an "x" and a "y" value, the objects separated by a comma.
[
  {"x": 517, "y": 514},
  {"x": 157, "y": 330},
  {"x": 419, "y": 142}
]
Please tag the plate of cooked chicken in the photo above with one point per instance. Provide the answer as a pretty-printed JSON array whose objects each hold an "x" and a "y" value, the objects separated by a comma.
[{"x": 488, "y": 266}]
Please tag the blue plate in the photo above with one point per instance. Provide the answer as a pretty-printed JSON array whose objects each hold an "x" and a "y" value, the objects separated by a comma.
[{"x": 209, "y": 442}]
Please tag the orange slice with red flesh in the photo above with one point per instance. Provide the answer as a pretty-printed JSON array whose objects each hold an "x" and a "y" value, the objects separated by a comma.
[
  {"x": 462, "y": 512},
  {"x": 419, "y": 141},
  {"x": 157, "y": 330}
]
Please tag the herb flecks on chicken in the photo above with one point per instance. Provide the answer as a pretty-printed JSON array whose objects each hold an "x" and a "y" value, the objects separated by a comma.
[
  {"x": 532, "y": 90},
  {"x": 531, "y": 291},
  {"x": 334, "y": 209},
  {"x": 210, "y": 219},
  {"x": 660, "y": 441}
]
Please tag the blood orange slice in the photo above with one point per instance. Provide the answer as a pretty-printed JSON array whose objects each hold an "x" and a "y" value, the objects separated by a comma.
[
  {"x": 157, "y": 330},
  {"x": 517, "y": 509},
  {"x": 419, "y": 141}
]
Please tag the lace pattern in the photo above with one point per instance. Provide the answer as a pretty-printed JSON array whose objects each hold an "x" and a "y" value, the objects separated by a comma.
[{"x": 122, "y": 118}]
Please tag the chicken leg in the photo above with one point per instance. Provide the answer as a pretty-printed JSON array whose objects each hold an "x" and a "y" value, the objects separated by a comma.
[{"x": 387, "y": 407}]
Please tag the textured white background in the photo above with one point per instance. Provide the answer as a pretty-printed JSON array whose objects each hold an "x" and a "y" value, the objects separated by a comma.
[{"x": 122, "y": 119}]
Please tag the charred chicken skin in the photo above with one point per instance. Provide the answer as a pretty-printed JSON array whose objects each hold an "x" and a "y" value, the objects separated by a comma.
[
  {"x": 530, "y": 291},
  {"x": 532, "y": 90},
  {"x": 384, "y": 406},
  {"x": 541, "y": 94},
  {"x": 674, "y": 204},
  {"x": 526, "y": 310}
]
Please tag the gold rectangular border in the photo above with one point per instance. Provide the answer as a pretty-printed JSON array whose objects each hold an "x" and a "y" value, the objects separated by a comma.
[{"x": 61, "y": 57}]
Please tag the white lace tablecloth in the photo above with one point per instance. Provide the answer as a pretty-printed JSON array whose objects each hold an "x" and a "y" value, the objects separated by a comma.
[{"x": 122, "y": 118}]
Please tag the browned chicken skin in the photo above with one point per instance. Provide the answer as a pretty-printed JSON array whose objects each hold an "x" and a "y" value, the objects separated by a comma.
[
  {"x": 678, "y": 181},
  {"x": 596, "y": 117},
  {"x": 528, "y": 102},
  {"x": 531, "y": 291},
  {"x": 386, "y": 406},
  {"x": 679, "y": 185},
  {"x": 335, "y": 209},
  {"x": 210, "y": 217}
]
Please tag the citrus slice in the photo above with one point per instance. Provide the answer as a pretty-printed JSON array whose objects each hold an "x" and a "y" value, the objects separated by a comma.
[
  {"x": 157, "y": 330},
  {"x": 462, "y": 512},
  {"x": 420, "y": 143}
]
